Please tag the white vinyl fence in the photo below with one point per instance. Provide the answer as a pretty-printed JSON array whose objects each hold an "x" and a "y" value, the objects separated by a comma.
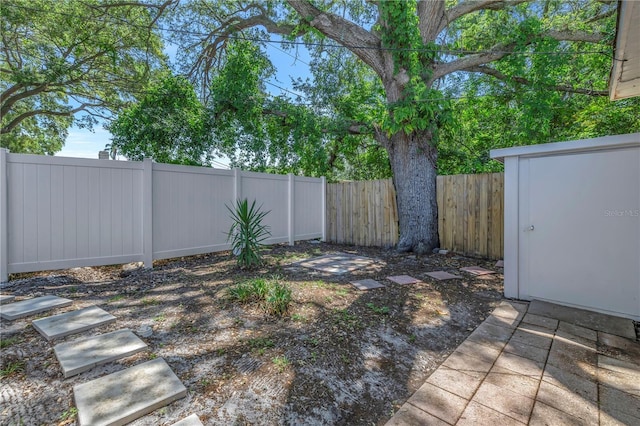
[{"x": 58, "y": 213}]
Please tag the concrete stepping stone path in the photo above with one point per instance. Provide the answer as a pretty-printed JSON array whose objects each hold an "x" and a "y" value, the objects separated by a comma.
[
  {"x": 192, "y": 420},
  {"x": 403, "y": 279},
  {"x": 81, "y": 355},
  {"x": 33, "y": 306},
  {"x": 477, "y": 270},
  {"x": 367, "y": 284},
  {"x": 442, "y": 275},
  {"x": 6, "y": 298},
  {"x": 122, "y": 397},
  {"x": 73, "y": 322}
]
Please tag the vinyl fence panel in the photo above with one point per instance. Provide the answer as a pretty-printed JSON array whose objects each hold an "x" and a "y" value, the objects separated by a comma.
[
  {"x": 58, "y": 213},
  {"x": 68, "y": 212},
  {"x": 189, "y": 213}
]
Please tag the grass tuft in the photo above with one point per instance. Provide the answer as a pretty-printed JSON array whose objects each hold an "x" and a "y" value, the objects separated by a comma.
[{"x": 275, "y": 297}]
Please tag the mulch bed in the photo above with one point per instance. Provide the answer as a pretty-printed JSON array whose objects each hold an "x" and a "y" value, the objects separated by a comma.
[{"x": 339, "y": 356}]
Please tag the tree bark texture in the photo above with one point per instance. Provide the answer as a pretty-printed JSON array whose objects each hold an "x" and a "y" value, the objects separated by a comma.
[{"x": 413, "y": 162}]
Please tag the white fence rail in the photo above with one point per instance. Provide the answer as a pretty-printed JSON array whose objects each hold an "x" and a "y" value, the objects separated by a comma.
[{"x": 58, "y": 213}]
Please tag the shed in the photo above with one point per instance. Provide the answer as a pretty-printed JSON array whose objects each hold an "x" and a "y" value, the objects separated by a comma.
[{"x": 572, "y": 223}]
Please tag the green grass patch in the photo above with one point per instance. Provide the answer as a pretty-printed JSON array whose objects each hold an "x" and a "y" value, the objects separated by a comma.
[
  {"x": 281, "y": 362},
  {"x": 382, "y": 310},
  {"x": 5, "y": 343},
  {"x": 12, "y": 368},
  {"x": 273, "y": 296}
]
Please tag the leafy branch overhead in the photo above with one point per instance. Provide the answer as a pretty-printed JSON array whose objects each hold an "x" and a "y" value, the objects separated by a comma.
[
  {"x": 69, "y": 61},
  {"x": 417, "y": 58}
]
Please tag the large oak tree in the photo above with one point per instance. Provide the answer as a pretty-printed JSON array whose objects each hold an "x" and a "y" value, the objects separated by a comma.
[{"x": 414, "y": 47}]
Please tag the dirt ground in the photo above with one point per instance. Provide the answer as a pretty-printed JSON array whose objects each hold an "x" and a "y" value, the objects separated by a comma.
[{"x": 340, "y": 356}]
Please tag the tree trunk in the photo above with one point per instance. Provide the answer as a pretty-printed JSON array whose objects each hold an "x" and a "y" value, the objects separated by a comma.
[{"x": 413, "y": 162}]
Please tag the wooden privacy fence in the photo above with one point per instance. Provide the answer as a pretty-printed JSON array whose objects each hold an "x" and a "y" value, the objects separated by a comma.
[
  {"x": 362, "y": 213},
  {"x": 470, "y": 213}
]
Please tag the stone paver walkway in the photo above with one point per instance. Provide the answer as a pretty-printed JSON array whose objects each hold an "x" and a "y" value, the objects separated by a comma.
[{"x": 557, "y": 366}]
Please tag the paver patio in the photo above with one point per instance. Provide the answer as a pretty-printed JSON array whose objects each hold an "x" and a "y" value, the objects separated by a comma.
[{"x": 537, "y": 364}]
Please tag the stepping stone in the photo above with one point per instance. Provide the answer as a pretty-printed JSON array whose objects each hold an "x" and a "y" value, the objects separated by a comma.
[
  {"x": 339, "y": 263},
  {"x": 403, "y": 279},
  {"x": 192, "y": 420},
  {"x": 84, "y": 354},
  {"x": 476, "y": 270},
  {"x": 442, "y": 275},
  {"x": 500, "y": 264},
  {"x": 367, "y": 284},
  {"x": 72, "y": 322},
  {"x": 33, "y": 306},
  {"x": 122, "y": 397},
  {"x": 5, "y": 298}
]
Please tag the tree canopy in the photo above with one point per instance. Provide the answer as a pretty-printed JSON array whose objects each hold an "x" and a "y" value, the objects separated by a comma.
[
  {"x": 428, "y": 65},
  {"x": 68, "y": 62}
]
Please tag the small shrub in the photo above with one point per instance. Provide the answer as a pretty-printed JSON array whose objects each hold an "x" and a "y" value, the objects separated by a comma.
[
  {"x": 260, "y": 288},
  {"x": 241, "y": 292},
  {"x": 247, "y": 233},
  {"x": 278, "y": 299},
  {"x": 272, "y": 295}
]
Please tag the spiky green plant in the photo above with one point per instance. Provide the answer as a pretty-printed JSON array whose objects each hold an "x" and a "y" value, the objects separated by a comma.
[{"x": 247, "y": 232}]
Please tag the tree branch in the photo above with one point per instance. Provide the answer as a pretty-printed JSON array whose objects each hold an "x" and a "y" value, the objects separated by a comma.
[
  {"x": 575, "y": 36},
  {"x": 336, "y": 28},
  {"x": 8, "y": 101},
  {"x": 18, "y": 119},
  {"x": 502, "y": 50},
  {"x": 466, "y": 62},
  {"x": 560, "y": 87},
  {"x": 469, "y": 6}
]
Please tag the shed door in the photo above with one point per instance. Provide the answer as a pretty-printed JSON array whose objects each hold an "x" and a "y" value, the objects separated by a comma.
[{"x": 580, "y": 230}]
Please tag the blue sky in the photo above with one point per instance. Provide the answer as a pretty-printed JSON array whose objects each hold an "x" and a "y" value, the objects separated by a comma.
[{"x": 85, "y": 143}]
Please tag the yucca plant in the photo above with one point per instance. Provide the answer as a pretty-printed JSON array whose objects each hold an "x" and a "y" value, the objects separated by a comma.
[{"x": 247, "y": 232}]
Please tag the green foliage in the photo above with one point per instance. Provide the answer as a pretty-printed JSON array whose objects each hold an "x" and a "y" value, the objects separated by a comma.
[
  {"x": 9, "y": 341},
  {"x": 277, "y": 299},
  {"x": 12, "y": 368},
  {"x": 274, "y": 297},
  {"x": 168, "y": 124},
  {"x": 68, "y": 414},
  {"x": 382, "y": 310},
  {"x": 247, "y": 232},
  {"x": 282, "y": 362},
  {"x": 69, "y": 62}
]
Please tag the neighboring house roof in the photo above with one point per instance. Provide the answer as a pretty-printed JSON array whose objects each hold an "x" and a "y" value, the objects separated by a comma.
[{"x": 625, "y": 75}]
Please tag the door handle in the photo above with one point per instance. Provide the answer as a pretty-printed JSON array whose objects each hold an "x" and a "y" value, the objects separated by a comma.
[{"x": 529, "y": 228}]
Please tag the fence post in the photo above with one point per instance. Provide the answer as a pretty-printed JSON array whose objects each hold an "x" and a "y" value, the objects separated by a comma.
[
  {"x": 4, "y": 246},
  {"x": 147, "y": 212},
  {"x": 324, "y": 208},
  {"x": 292, "y": 212},
  {"x": 237, "y": 186}
]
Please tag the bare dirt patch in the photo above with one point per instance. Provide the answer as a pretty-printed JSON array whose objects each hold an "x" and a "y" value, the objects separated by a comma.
[{"x": 340, "y": 355}]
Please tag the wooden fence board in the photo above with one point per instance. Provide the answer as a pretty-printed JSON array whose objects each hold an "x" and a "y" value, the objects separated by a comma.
[{"x": 470, "y": 213}]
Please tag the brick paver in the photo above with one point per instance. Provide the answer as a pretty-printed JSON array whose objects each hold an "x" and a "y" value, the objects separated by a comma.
[{"x": 538, "y": 368}]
